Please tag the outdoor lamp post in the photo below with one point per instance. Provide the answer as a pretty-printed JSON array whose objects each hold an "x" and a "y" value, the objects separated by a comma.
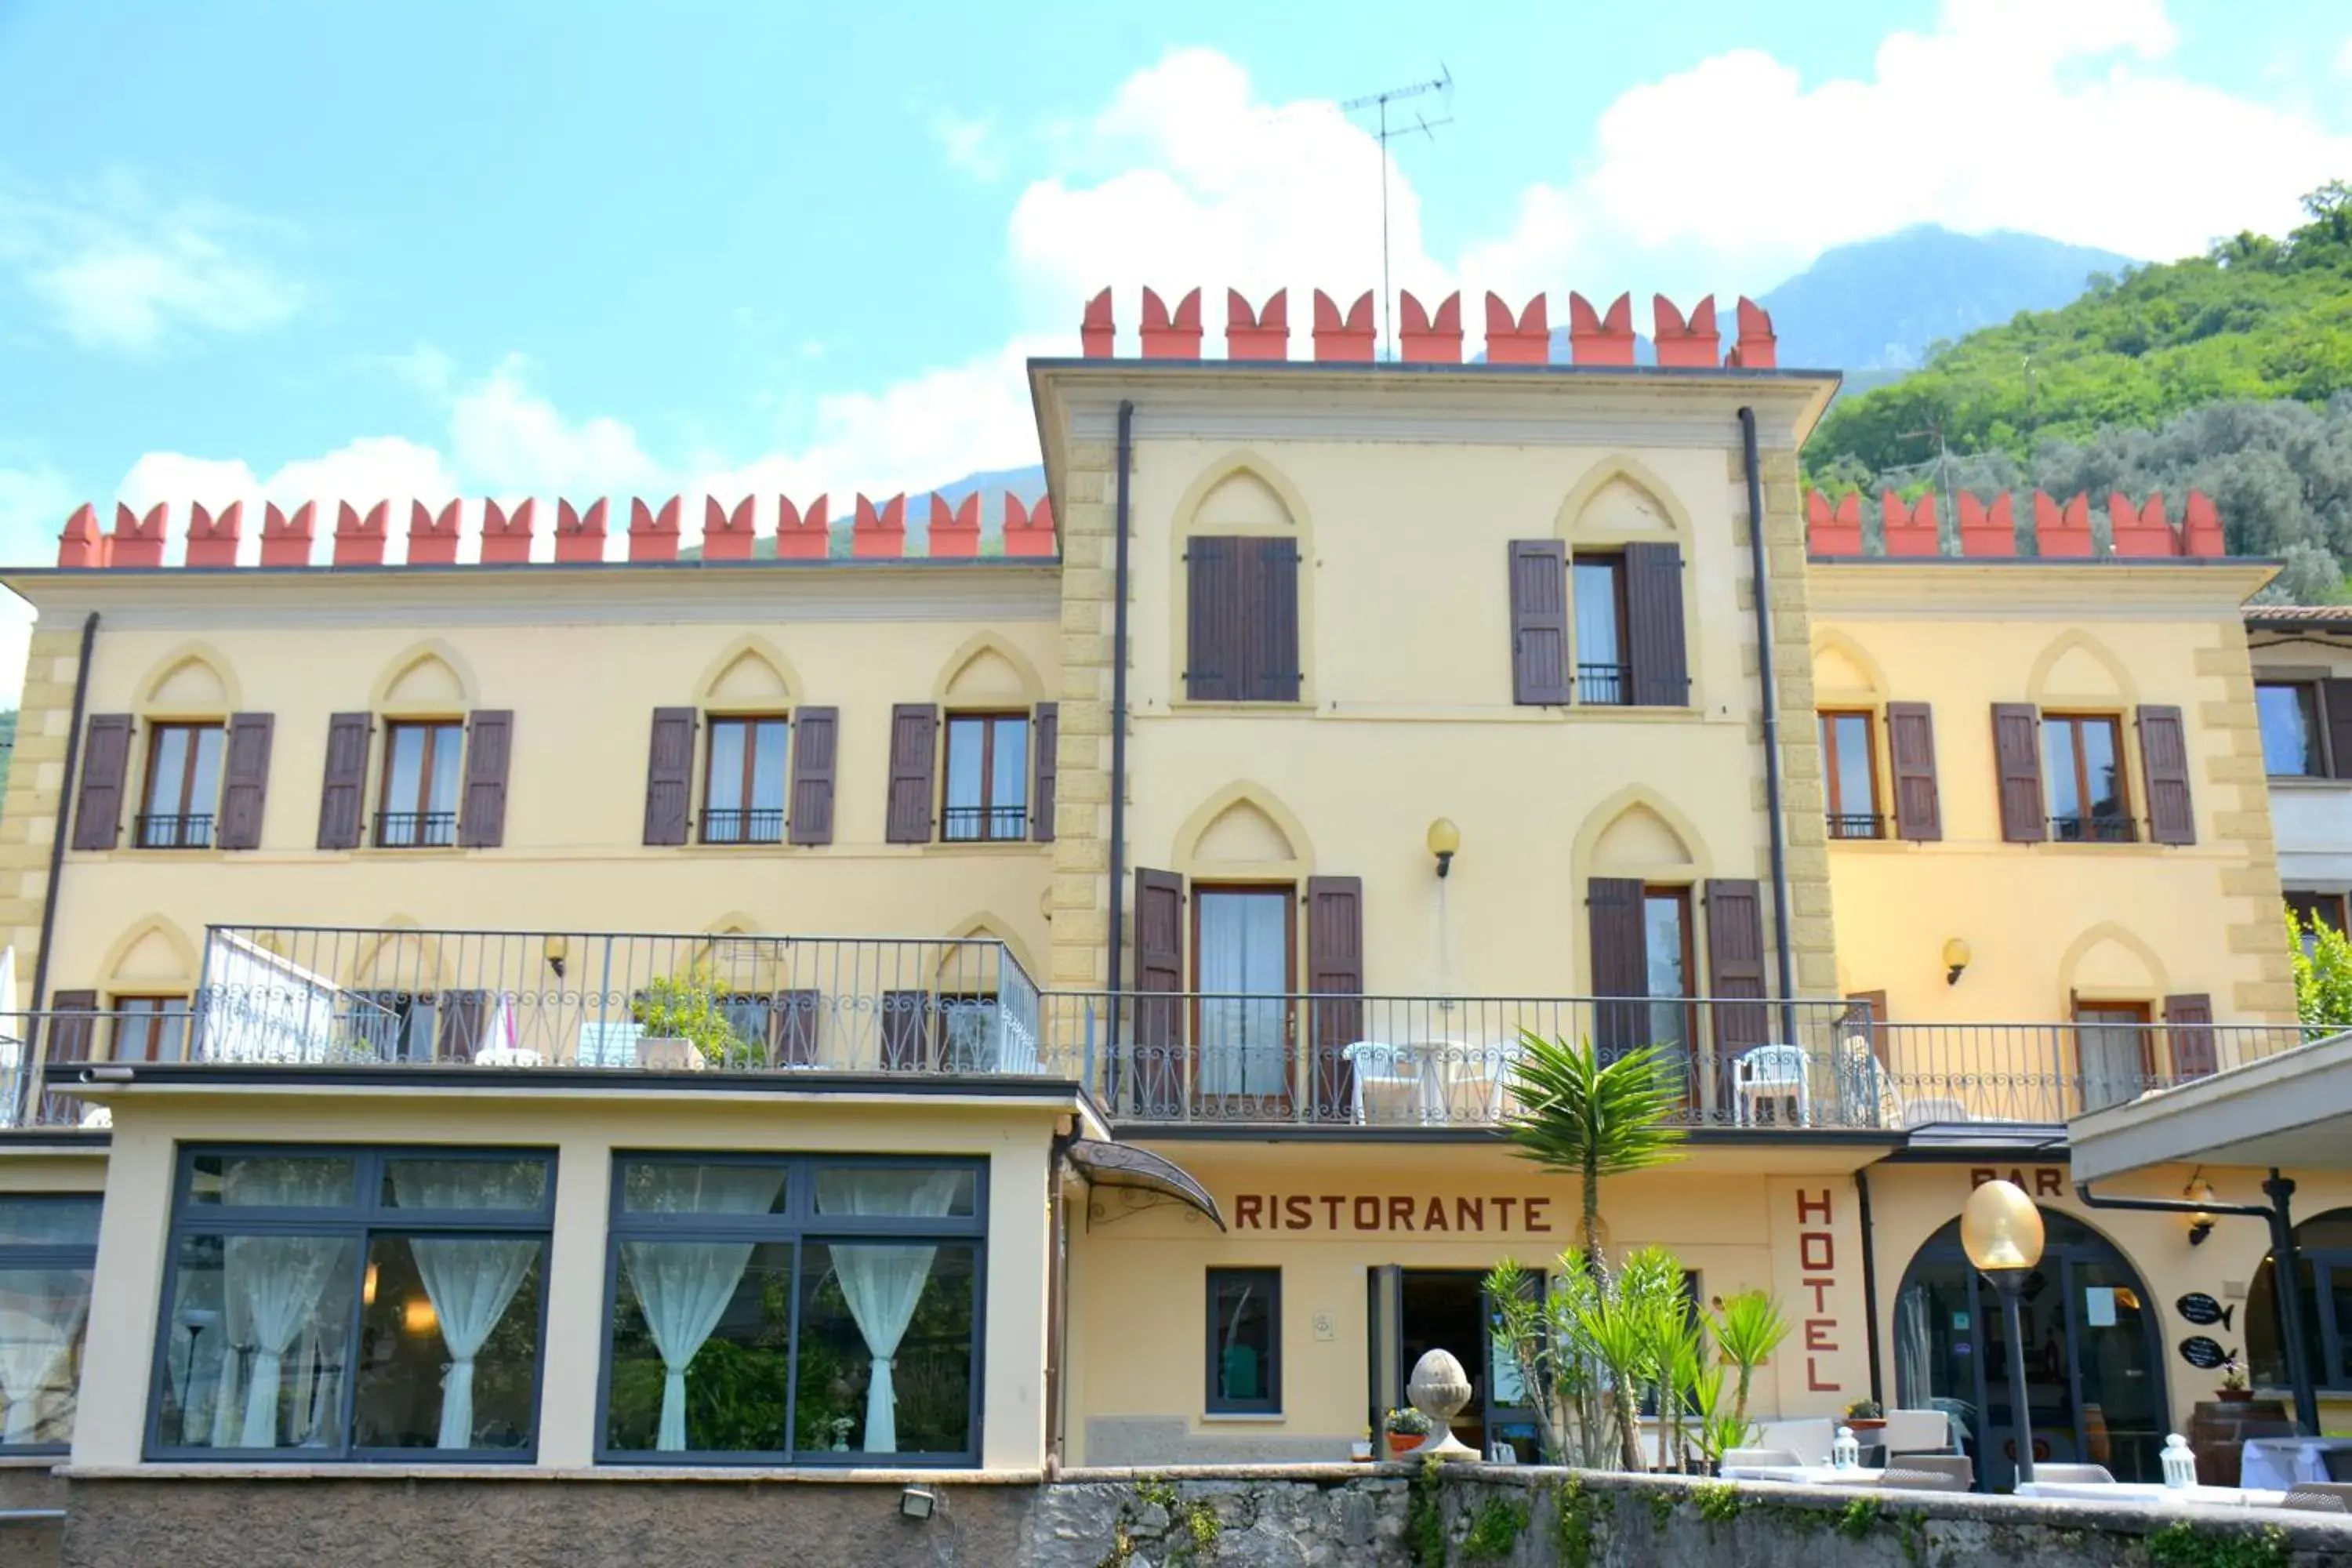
[{"x": 2000, "y": 1230}]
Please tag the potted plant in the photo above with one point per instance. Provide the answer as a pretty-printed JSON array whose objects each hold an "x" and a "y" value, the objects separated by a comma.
[
  {"x": 2233, "y": 1389},
  {"x": 1864, "y": 1415},
  {"x": 1407, "y": 1430},
  {"x": 685, "y": 1026}
]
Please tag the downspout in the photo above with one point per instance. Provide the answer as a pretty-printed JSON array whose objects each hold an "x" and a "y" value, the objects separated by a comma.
[
  {"x": 1058, "y": 1308},
  {"x": 1118, "y": 736},
  {"x": 65, "y": 802},
  {"x": 2285, "y": 1272},
  {"x": 1869, "y": 1286},
  {"x": 1783, "y": 961}
]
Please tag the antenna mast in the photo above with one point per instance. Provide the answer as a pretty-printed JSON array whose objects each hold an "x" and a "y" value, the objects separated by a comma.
[{"x": 1441, "y": 83}]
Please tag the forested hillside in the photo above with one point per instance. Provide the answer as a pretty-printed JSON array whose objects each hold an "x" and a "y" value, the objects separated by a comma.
[{"x": 2230, "y": 372}]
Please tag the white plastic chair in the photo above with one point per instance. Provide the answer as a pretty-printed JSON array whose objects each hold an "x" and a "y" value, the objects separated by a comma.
[
  {"x": 1916, "y": 1432},
  {"x": 1771, "y": 1072},
  {"x": 1809, "y": 1439},
  {"x": 1480, "y": 1092},
  {"x": 1394, "y": 1084}
]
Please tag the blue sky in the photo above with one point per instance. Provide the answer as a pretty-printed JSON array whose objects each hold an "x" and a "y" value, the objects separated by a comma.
[{"x": 334, "y": 250}]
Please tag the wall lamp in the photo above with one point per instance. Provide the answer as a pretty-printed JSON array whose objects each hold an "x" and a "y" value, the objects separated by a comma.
[
  {"x": 1445, "y": 841},
  {"x": 1956, "y": 960},
  {"x": 916, "y": 1503},
  {"x": 557, "y": 948},
  {"x": 2199, "y": 1192}
]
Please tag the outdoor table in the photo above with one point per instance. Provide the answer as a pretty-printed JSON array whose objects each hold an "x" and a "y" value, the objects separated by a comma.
[
  {"x": 2289, "y": 1461},
  {"x": 2146, "y": 1492},
  {"x": 1801, "y": 1474}
]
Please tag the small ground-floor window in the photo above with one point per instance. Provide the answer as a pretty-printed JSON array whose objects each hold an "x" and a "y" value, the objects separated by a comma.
[
  {"x": 800, "y": 1310},
  {"x": 49, "y": 1246},
  {"x": 1245, "y": 1342},
  {"x": 331, "y": 1303}
]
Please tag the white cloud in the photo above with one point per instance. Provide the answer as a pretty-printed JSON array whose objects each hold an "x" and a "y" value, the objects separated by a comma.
[
  {"x": 970, "y": 144},
  {"x": 122, "y": 272},
  {"x": 508, "y": 439}
]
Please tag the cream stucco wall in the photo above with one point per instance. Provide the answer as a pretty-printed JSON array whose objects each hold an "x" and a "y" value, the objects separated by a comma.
[
  {"x": 1015, "y": 1136},
  {"x": 581, "y": 666},
  {"x": 2047, "y": 923}
]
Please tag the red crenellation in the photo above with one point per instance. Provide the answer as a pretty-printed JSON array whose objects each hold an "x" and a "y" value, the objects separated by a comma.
[
  {"x": 212, "y": 539},
  {"x": 1097, "y": 333},
  {"x": 1427, "y": 340},
  {"x": 728, "y": 535},
  {"x": 1834, "y": 530},
  {"x": 359, "y": 536},
  {"x": 654, "y": 533},
  {"x": 432, "y": 537},
  {"x": 2141, "y": 531},
  {"x": 1167, "y": 337},
  {"x": 1594, "y": 339},
  {"x": 1757, "y": 348},
  {"x": 879, "y": 533},
  {"x": 1910, "y": 530},
  {"x": 1987, "y": 530},
  {"x": 1262, "y": 335},
  {"x": 955, "y": 530},
  {"x": 138, "y": 540},
  {"x": 1523, "y": 340},
  {"x": 580, "y": 535},
  {"x": 1348, "y": 338},
  {"x": 1689, "y": 344},
  {"x": 506, "y": 536},
  {"x": 2201, "y": 528},
  {"x": 2062, "y": 531},
  {"x": 82, "y": 544},
  {"x": 2136, "y": 530},
  {"x": 802, "y": 536},
  {"x": 286, "y": 540},
  {"x": 1028, "y": 531}
]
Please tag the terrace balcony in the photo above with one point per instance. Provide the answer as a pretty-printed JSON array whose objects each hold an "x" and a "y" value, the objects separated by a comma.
[{"x": 347, "y": 1001}]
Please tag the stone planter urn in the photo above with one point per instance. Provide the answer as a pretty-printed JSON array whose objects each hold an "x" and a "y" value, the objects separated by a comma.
[{"x": 1438, "y": 1388}]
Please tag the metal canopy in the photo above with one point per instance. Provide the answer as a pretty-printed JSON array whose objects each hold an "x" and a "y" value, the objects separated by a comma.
[{"x": 1105, "y": 1164}]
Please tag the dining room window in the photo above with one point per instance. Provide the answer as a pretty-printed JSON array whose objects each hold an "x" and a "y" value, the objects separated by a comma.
[
  {"x": 744, "y": 780},
  {"x": 49, "y": 1256},
  {"x": 988, "y": 778},
  {"x": 423, "y": 766}
]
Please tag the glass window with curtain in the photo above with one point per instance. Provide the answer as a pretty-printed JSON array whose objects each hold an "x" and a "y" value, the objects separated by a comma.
[
  {"x": 743, "y": 789},
  {"x": 324, "y": 1304},
  {"x": 2289, "y": 713},
  {"x": 423, "y": 764},
  {"x": 800, "y": 1310},
  {"x": 1601, "y": 674},
  {"x": 1242, "y": 955},
  {"x": 48, "y": 1251},
  {"x": 2082, "y": 770},
  {"x": 987, "y": 778},
  {"x": 184, "y": 786}
]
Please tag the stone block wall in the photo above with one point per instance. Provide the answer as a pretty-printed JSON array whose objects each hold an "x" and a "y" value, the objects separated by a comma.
[{"x": 33, "y": 812}]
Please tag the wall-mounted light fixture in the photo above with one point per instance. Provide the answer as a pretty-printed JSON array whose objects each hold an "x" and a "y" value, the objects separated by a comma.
[
  {"x": 2199, "y": 1192},
  {"x": 1445, "y": 841},
  {"x": 1956, "y": 960},
  {"x": 557, "y": 948},
  {"x": 916, "y": 1503}
]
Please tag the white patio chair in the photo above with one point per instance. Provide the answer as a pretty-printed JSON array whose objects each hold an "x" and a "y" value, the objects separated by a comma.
[
  {"x": 1809, "y": 1439},
  {"x": 1392, "y": 1083},
  {"x": 1479, "y": 1094},
  {"x": 1916, "y": 1432},
  {"x": 1772, "y": 1073},
  {"x": 1933, "y": 1110}
]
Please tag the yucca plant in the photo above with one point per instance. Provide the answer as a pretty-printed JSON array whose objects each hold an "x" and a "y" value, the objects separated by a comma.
[
  {"x": 1589, "y": 1119},
  {"x": 1747, "y": 1328}
]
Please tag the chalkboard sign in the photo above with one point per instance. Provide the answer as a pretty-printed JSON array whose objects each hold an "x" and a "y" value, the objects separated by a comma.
[
  {"x": 2199, "y": 1307},
  {"x": 2199, "y": 1352}
]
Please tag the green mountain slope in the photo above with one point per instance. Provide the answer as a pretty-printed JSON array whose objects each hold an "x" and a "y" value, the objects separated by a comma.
[{"x": 2254, "y": 320}]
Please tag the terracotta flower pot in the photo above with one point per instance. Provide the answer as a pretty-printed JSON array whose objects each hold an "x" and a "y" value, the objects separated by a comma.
[{"x": 1403, "y": 1443}]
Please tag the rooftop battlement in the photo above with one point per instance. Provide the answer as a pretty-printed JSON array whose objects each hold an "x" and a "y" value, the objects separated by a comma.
[{"x": 2053, "y": 530}]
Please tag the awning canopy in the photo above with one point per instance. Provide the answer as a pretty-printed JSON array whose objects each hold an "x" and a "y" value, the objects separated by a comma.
[
  {"x": 2292, "y": 1111},
  {"x": 1125, "y": 1165}
]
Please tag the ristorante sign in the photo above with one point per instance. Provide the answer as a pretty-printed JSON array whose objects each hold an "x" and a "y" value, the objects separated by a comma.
[{"x": 1392, "y": 1214}]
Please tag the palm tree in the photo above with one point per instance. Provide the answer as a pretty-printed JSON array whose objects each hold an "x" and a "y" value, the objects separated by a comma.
[{"x": 1589, "y": 1119}]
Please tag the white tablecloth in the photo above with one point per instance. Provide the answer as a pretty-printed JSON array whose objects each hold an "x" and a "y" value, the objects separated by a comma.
[
  {"x": 2150, "y": 1492},
  {"x": 1802, "y": 1475},
  {"x": 2289, "y": 1461}
]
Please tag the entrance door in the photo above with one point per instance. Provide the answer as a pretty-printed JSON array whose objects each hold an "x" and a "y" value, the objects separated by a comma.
[
  {"x": 1242, "y": 947},
  {"x": 1416, "y": 1311},
  {"x": 2094, "y": 1367}
]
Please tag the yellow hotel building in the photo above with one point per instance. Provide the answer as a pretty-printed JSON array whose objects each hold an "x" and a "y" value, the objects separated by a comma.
[{"x": 1000, "y": 1001}]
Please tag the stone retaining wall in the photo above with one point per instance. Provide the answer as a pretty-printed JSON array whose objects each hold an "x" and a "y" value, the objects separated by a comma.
[{"x": 1333, "y": 1516}]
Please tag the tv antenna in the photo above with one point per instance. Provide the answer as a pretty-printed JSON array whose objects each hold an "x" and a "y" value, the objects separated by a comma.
[{"x": 1441, "y": 83}]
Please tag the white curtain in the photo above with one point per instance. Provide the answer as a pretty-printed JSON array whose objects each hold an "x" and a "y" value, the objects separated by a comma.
[
  {"x": 883, "y": 1284},
  {"x": 41, "y": 1312},
  {"x": 275, "y": 1282},
  {"x": 684, "y": 1286},
  {"x": 470, "y": 1283},
  {"x": 1913, "y": 1387},
  {"x": 1242, "y": 957}
]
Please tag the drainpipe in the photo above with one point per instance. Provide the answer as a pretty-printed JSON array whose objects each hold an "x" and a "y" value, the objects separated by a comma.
[
  {"x": 1118, "y": 731},
  {"x": 1782, "y": 957},
  {"x": 2285, "y": 1272},
  {"x": 1869, "y": 1285},
  {"x": 64, "y": 804}
]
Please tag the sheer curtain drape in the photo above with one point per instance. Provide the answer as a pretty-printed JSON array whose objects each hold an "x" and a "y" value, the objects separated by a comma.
[
  {"x": 683, "y": 1287},
  {"x": 1911, "y": 1385},
  {"x": 883, "y": 1284},
  {"x": 470, "y": 1283},
  {"x": 1243, "y": 958},
  {"x": 276, "y": 1282},
  {"x": 41, "y": 1312}
]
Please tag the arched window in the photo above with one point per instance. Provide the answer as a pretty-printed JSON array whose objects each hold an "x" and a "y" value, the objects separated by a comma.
[{"x": 2324, "y": 1252}]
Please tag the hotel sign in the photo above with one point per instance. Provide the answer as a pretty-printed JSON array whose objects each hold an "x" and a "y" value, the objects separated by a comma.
[{"x": 1397, "y": 1213}]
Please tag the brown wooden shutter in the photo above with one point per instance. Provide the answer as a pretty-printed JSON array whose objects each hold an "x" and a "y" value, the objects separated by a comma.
[
  {"x": 1735, "y": 967},
  {"x": 1044, "y": 739},
  {"x": 1911, "y": 753},
  {"x": 1213, "y": 648},
  {"x": 69, "y": 1038},
  {"x": 1270, "y": 577},
  {"x": 105, "y": 760},
  {"x": 1875, "y": 1001},
  {"x": 2164, "y": 764},
  {"x": 2017, "y": 755},
  {"x": 489, "y": 747},
  {"x": 1620, "y": 964},
  {"x": 1158, "y": 1069},
  {"x": 816, "y": 744},
  {"x": 2335, "y": 716},
  {"x": 1540, "y": 673},
  {"x": 906, "y": 1030},
  {"x": 795, "y": 1027},
  {"x": 669, "y": 776},
  {"x": 1335, "y": 968},
  {"x": 342, "y": 798},
  {"x": 914, "y": 741},
  {"x": 1654, "y": 626},
  {"x": 2191, "y": 1016},
  {"x": 459, "y": 1017},
  {"x": 245, "y": 788}
]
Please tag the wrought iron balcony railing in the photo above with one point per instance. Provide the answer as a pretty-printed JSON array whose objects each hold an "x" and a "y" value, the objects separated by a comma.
[
  {"x": 755, "y": 825},
  {"x": 415, "y": 829},
  {"x": 160, "y": 830}
]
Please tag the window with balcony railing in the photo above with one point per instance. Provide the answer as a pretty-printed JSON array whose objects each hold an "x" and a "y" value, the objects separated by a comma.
[
  {"x": 1850, "y": 776},
  {"x": 743, "y": 789},
  {"x": 1603, "y": 672},
  {"x": 987, "y": 797},
  {"x": 184, "y": 787},
  {"x": 423, "y": 764},
  {"x": 2082, "y": 767}
]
